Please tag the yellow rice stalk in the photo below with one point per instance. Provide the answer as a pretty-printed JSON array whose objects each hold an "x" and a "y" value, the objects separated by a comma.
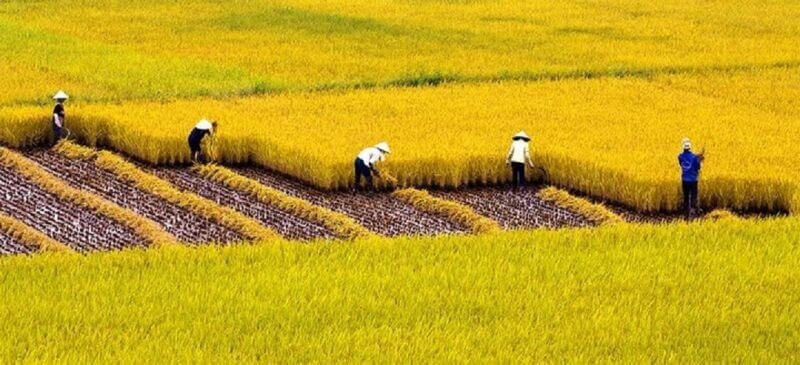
[
  {"x": 597, "y": 213},
  {"x": 342, "y": 225},
  {"x": 248, "y": 227},
  {"x": 30, "y": 236},
  {"x": 146, "y": 228},
  {"x": 457, "y": 212},
  {"x": 720, "y": 214}
]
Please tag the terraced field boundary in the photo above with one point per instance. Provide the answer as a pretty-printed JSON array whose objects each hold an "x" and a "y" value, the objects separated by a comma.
[
  {"x": 248, "y": 227},
  {"x": 341, "y": 225},
  {"x": 597, "y": 213},
  {"x": 146, "y": 228},
  {"x": 30, "y": 236},
  {"x": 457, "y": 212}
]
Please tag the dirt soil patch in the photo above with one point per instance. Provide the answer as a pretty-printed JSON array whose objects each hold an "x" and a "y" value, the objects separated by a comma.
[
  {"x": 378, "y": 212},
  {"x": 515, "y": 209},
  {"x": 288, "y": 225},
  {"x": 185, "y": 225},
  {"x": 63, "y": 221},
  {"x": 10, "y": 246}
]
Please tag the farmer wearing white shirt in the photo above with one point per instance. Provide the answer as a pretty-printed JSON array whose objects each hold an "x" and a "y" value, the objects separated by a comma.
[
  {"x": 518, "y": 155},
  {"x": 365, "y": 163},
  {"x": 201, "y": 129},
  {"x": 59, "y": 115}
]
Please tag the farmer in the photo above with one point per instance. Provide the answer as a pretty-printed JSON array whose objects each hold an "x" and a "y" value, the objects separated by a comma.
[
  {"x": 518, "y": 155},
  {"x": 59, "y": 116},
  {"x": 365, "y": 163},
  {"x": 201, "y": 129},
  {"x": 690, "y": 173}
]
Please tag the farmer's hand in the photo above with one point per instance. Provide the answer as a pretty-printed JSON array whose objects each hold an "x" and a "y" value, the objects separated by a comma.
[
  {"x": 531, "y": 164},
  {"x": 508, "y": 162}
]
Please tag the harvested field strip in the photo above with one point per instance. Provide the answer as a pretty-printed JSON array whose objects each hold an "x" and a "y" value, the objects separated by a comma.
[
  {"x": 185, "y": 225},
  {"x": 455, "y": 211},
  {"x": 379, "y": 212},
  {"x": 285, "y": 223},
  {"x": 595, "y": 212},
  {"x": 515, "y": 209},
  {"x": 61, "y": 219},
  {"x": 145, "y": 228},
  {"x": 247, "y": 227},
  {"x": 23, "y": 236},
  {"x": 11, "y": 246},
  {"x": 340, "y": 224}
]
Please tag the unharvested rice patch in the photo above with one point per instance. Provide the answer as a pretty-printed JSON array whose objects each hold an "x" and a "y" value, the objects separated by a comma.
[
  {"x": 10, "y": 246},
  {"x": 378, "y": 212},
  {"x": 288, "y": 225},
  {"x": 185, "y": 225},
  {"x": 514, "y": 209},
  {"x": 81, "y": 229}
]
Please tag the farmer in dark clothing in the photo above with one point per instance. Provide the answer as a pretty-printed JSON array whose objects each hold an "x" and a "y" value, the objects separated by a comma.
[
  {"x": 59, "y": 116},
  {"x": 690, "y": 173},
  {"x": 201, "y": 129},
  {"x": 365, "y": 164}
]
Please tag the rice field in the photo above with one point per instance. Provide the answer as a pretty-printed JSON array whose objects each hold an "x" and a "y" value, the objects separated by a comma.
[
  {"x": 113, "y": 249},
  {"x": 711, "y": 292}
]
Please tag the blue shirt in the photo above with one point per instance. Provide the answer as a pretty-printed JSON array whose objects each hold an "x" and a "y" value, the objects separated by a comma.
[{"x": 690, "y": 166}]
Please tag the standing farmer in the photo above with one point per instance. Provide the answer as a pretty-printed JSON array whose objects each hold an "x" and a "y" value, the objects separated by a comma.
[
  {"x": 59, "y": 116},
  {"x": 518, "y": 155},
  {"x": 201, "y": 129},
  {"x": 690, "y": 174},
  {"x": 365, "y": 163}
]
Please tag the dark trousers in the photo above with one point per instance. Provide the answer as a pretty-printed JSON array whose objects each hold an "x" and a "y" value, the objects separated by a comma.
[
  {"x": 518, "y": 174},
  {"x": 194, "y": 147},
  {"x": 689, "y": 197},
  {"x": 362, "y": 169},
  {"x": 58, "y": 133}
]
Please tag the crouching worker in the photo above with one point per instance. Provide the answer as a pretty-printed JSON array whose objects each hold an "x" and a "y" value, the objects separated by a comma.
[
  {"x": 365, "y": 164},
  {"x": 690, "y": 175},
  {"x": 59, "y": 116},
  {"x": 201, "y": 129},
  {"x": 518, "y": 155}
]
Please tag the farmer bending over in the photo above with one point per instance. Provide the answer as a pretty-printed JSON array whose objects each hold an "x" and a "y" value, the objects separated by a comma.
[
  {"x": 690, "y": 174},
  {"x": 203, "y": 128},
  {"x": 365, "y": 163},
  {"x": 518, "y": 155},
  {"x": 59, "y": 116}
]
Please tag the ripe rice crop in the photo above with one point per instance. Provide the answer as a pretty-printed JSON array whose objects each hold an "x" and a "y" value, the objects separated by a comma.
[
  {"x": 116, "y": 50},
  {"x": 712, "y": 292},
  {"x": 615, "y": 139}
]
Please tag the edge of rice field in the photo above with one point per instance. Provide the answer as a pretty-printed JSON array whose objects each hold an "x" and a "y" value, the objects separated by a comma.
[{"x": 713, "y": 291}]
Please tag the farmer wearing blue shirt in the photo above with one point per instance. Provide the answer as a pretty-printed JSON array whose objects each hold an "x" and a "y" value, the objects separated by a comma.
[{"x": 690, "y": 174}]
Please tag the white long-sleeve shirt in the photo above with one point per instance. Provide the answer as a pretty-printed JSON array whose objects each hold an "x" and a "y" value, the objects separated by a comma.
[
  {"x": 371, "y": 155},
  {"x": 519, "y": 151}
]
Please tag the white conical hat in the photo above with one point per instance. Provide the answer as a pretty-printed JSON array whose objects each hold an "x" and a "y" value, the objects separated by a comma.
[
  {"x": 521, "y": 135},
  {"x": 60, "y": 95},
  {"x": 383, "y": 146},
  {"x": 687, "y": 143},
  {"x": 204, "y": 125}
]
